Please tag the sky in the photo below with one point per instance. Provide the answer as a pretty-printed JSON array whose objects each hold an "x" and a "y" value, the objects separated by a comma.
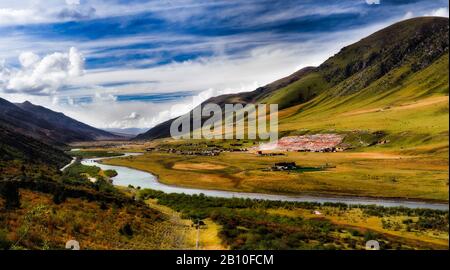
[{"x": 136, "y": 63}]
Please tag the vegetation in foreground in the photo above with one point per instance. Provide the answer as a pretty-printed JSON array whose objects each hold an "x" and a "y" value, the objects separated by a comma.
[
  {"x": 43, "y": 208},
  {"x": 253, "y": 224}
]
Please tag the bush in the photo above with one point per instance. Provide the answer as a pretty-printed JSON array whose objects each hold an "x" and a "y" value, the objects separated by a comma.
[
  {"x": 126, "y": 230},
  {"x": 4, "y": 242},
  {"x": 10, "y": 192},
  {"x": 110, "y": 173}
]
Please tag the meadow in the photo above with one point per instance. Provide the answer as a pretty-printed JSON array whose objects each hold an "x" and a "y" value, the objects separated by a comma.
[{"x": 374, "y": 174}]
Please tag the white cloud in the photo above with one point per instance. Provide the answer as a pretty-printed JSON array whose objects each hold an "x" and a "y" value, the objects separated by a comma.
[
  {"x": 28, "y": 59},
  {"x": 32, "y": 12},
  {"x": 440, "y": 12},
  {"x": 73, "y": 2},
  {"x": 4, "y": 72},
  {"x": 133, "y": 116},
  {"x": 187, "y": 105},
  {"x": 373, "y": 2},
  {"x": 42, "y": 76},
  {"x": 10, "y": 16},
  {"x": 408, "y": 15}
]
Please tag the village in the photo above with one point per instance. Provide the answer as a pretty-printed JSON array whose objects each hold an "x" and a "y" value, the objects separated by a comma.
[{"x": 305, "y": 143}]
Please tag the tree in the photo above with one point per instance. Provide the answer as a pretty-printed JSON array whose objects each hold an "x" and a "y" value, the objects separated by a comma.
[{"x": 10, "y": 192}]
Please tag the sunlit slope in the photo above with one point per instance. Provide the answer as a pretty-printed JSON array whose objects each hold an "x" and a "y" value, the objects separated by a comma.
[
  {"x": 410, "y": 107},
  {"x": 408, "y": 46},
  {"x": 394, "y": 81}
]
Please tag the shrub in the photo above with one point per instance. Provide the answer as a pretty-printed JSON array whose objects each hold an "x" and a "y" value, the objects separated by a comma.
[
  {"x": 126, "y": 230},
  {"x": 4, "y": 242}
]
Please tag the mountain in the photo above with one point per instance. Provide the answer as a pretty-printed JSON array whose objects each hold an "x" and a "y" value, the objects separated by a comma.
[
  {"x": 403, "y": 63},
  {"x": 46, "y": 125},
  {"x": 163, "y": 130},
  {"x": 126, "y": 132},
  {"x": 18, "y": 147}
]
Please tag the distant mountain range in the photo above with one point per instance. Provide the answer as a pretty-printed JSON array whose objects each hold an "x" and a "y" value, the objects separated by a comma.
[
  {"x": 405, "y": 62},
  {"x": 46, "y": 125},
  {"x": 126, "y": 132}
]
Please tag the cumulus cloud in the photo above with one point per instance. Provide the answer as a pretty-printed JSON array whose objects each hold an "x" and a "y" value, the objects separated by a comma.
[
  {"x": 133, "y": 116},
  {"x": 42, "y": 76},
  {"x": 129, "y": 121}
]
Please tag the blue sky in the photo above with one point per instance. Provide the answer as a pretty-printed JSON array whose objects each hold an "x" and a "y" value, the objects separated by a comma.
[{"x": 116, "y": 63}]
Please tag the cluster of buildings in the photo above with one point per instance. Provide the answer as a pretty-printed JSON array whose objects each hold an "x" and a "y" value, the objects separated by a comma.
[
  {"x": 269, "y": 154},
  {"x": 205, "y": 152},
  {"x": 312, "y": 143},
  {"x": 284, "y": 166}
]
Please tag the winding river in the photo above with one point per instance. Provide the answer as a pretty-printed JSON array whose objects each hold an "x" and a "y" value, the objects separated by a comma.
[{"x": 127, "y": 176}]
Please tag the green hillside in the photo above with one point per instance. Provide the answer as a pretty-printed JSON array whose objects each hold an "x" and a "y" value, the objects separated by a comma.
[
  {"x": 410, "y": 108},
  {"x": 393, "y": 82},
  {"x": 408, "y": 46},
  {"x": 387, "y": 93}
]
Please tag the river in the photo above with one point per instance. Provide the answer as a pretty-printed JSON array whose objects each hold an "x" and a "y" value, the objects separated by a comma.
[{"x": 127, "y": 176}]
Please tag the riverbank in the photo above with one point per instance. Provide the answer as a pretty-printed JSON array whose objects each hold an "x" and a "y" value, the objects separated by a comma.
[
  {"x": 373, "y": 175},
  {"x": 138, "y": 178}
]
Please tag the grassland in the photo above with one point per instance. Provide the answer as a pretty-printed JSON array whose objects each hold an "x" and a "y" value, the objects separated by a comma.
[{"x": 375, "y": 174}]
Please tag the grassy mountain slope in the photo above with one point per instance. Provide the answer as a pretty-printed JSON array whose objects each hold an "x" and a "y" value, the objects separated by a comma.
[
  {"x": 15, "y": 146},
  {"x": 413, "y": 44},
  {"x": 404, "y": 63},
  {"x": 410, "y": 108}
]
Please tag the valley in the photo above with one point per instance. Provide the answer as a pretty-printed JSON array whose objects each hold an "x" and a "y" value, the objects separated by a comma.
[
  {"x": 353, "y": 174},
  {"x": 370, "y": 124}
]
